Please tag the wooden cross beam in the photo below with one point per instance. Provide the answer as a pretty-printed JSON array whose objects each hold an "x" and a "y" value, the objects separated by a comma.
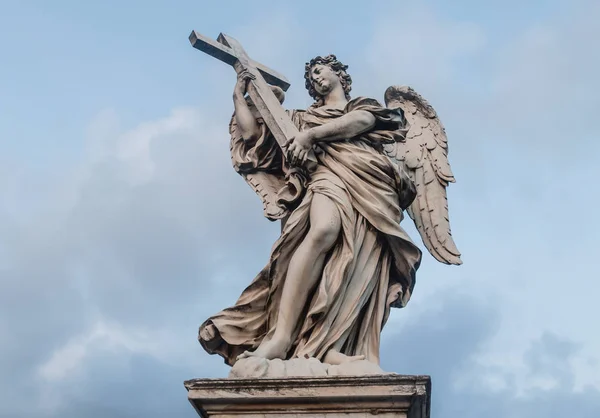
[{"x": 231, "y": 52}]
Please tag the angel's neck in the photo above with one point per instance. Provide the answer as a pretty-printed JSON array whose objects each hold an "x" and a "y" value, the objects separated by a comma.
[{"x": 336, "y": 98}]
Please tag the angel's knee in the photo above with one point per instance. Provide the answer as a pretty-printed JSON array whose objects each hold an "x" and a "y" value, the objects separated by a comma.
[{"x": 325, "y": 225}]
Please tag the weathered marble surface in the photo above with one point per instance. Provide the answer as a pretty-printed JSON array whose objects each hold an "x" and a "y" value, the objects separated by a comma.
[
  {"x": 339, "y": 175},
  {"x": 320, "y": 397},
  {"x": 255, "y": 367}
]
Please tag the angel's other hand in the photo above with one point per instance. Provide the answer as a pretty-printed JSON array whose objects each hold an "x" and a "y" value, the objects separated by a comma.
[
  {"x": 242, "y": 81},
  {"x": 298, "y": 148}
]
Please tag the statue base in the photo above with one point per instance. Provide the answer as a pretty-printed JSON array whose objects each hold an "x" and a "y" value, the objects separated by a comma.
[{"x": 385, "y": 396}]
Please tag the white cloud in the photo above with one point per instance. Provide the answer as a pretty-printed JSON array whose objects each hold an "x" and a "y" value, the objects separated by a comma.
[
  {"x": 419, "y": 47},
  {"x": 68, "y": 364},
  {"x": 153, "y": 231},
  {"x": 544, "y": 83},
  {"x": 132, "y": 246},
  {"x": 134, "y": 147},
  {"x": 522, "y": 146},
  {"x": 68, "y": 360}
]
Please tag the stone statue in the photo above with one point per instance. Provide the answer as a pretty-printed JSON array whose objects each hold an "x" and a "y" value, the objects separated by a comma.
[{"x": 339, "y": 184}]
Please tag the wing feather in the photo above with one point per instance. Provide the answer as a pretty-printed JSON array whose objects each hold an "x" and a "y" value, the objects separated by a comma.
[{"x": 424, "y": 155}]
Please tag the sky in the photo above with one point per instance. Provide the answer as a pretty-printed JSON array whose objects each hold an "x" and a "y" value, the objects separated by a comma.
[{"x": 123, "y": 225}]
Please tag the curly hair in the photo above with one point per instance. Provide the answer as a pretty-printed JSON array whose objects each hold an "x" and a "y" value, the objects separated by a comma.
[{"x": 332, "y": 62}]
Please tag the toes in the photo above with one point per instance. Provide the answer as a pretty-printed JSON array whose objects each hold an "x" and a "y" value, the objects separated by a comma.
[{"x": 245, "y": 354}]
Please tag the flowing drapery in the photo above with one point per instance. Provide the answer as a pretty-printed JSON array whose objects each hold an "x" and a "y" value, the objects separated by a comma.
[{"x": 370, "y": 269}]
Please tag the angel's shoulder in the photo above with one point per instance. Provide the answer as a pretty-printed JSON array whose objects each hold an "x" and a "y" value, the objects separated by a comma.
[
  {"x": 362, "y": 102},
  {"x": 297, "y": 116}
]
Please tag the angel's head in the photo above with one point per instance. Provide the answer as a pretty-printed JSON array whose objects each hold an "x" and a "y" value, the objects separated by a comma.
[{"x": 323, "y": 74}]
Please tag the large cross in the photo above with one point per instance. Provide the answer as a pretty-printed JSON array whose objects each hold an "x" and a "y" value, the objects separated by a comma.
[{"x": 231, "y": 52}]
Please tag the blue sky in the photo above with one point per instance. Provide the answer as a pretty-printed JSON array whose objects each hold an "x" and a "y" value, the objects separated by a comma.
[{"x": 123, "y": 225}]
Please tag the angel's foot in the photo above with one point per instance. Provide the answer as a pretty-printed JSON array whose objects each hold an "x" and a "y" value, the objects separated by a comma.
[
  {"x": 336, "y": 358},
  {"x": 271, "y": 349}
]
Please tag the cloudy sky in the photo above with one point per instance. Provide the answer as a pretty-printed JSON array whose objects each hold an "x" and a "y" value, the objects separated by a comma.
[{"x": 123, "y": 225}]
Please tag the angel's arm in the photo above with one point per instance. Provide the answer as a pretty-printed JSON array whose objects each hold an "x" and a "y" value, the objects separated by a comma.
[
  {"x": 347, "y": 126},
  {"x": 246, "y": 122}
]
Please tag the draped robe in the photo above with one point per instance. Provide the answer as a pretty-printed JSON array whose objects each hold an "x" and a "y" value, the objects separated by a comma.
[{"x": 371, "y": 266}]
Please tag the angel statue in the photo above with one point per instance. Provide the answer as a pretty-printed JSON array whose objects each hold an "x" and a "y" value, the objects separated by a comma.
[{"x": 342, "y": 260}]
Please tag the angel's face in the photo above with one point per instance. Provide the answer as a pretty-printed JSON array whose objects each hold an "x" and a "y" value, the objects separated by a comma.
[{"x": 324, "y": 79}]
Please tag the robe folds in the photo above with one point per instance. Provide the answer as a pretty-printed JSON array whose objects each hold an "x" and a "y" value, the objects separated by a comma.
[{"x": 370, "y": 268}]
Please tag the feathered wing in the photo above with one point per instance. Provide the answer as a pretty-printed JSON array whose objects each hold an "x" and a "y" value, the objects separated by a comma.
[
  {"x": 424, "y": 155},
  {"x": 260, "y": 167}
]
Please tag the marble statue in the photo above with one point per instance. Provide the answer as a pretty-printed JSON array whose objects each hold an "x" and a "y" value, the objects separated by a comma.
[{"x": 338, "y": 176}]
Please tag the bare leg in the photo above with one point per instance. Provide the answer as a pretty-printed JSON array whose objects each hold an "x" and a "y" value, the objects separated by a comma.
[{"x": 304, "y": 270}]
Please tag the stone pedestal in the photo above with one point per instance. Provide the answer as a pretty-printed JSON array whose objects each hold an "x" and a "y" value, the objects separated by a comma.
[{"x": 381, "y": 396}]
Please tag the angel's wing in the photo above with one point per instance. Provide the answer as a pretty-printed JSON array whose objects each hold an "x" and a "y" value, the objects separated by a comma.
[
  {"x": 424, "y": 155},
  {"x": 258, "y": 164}
]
